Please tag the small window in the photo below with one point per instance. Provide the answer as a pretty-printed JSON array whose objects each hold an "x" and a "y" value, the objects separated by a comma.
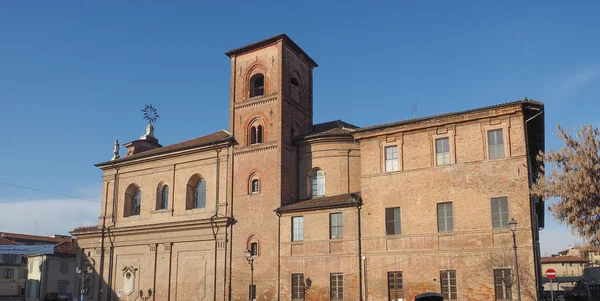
[
  {"x": 256, "y": 134},
  {"x": 134, "y": 202},
  {"x": 297, "y": 287},
  {"x": 294, "y": 88},
  {"x": 336, "y": 287},
  {"x": 335, "y": 225},
  {"x": 391, "y": 159},
  {"x": 63, "y": 286},
  {"x": 395, "y": 289},
  {"x": 500, "y": 213},
  {"x": 9, "y": 258},
  {"x": 255, "y": 186},
  {"x": 445, "y": 217},
  {"x": 392, "y": 221},
  {"x": 442, "y": 151},
  {"x": 448, "y": 285},
  {"x": 254, "y": 249},
  {"x": 64, "y": 266},
  {"x": 297, "y": 228},
  {"x": 163, "y": 198},
  {"x": 9, "y": 273},
  {"x": 257, "y": 85},
  {"x": 318, "y": 183},
  {"x": 495, "y": 144},
  {"x": 502, "y": 284}
]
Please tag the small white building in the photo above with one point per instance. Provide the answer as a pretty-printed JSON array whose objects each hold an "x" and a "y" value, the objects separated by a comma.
[
  {"x": 53, "y": 274},
  {"x": 13, "y": 272}
]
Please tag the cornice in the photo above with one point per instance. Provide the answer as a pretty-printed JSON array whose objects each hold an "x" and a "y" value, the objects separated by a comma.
[{"x": 256, "y": 102}]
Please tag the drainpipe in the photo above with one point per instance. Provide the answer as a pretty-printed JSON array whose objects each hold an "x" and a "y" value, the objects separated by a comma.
[
  {"x": 154, "y": 283},
  {"x": 360, "y": 276},
  {"x": 101, "y": 272},
  {"x": 278, "y": 256}
]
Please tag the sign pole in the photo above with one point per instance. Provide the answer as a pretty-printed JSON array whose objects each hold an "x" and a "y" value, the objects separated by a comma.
[{"x": 551, "y": 291}]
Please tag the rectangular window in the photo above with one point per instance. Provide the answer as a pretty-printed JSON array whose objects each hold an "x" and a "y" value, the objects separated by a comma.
[
  {"x": 64, "y": 265},
  {"x": 9, "y": 273},
  {"x": 391, "y": 159},
  {"x": 395, "y": 289},
  {"x": 335, "y": 223},
  {"x": 448, "y": 285},
  {"x": 392, "y": 221},
  {"x": 495, "y": 144},
  {"x": 63, "y": 286},
  {"x": 442, "y": 151},
  {"x": 297, "y": 286},
  {"x": 502, "y": 284},
  {"x": 297, "y": 228},
  {"x": 252, "y": 292},
  {"x": 336, "y": 287},
  {"x": 500, "y": 213},
  {"x": 445, "y": 217}
]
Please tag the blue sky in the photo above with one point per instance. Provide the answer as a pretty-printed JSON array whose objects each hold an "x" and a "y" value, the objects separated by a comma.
[{"x": 75, "y": 74}]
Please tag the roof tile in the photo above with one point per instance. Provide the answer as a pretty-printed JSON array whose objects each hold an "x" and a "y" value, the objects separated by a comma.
[{"x": 334, "y": 201}]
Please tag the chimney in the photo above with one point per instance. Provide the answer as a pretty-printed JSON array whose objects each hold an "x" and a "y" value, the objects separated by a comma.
[{"x": 145, "y": 143}]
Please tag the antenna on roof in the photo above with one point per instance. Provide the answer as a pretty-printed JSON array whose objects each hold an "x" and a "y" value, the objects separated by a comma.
[{"x": 414, "y": 111}]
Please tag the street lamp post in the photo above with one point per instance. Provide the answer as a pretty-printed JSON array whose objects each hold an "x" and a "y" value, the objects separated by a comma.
[
  {"x": 250, "y": 259},
  {"x": 83, "y": 274},
  {"x": 513, "y": 227}
]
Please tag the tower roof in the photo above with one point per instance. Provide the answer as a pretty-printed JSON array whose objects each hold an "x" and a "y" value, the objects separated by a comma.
[{"x": 269, "y": 41}]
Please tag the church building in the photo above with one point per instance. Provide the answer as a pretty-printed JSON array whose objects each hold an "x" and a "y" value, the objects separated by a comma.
[{"x": 280, "y": 208}]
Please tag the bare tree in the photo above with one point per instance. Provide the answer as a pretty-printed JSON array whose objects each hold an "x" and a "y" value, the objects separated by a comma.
[
  {"x": 505, "y": 259},
  {"x": 575, "y": 182}
]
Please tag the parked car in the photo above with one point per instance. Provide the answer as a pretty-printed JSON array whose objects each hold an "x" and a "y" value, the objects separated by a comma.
[{"x": 429, "y": 297}]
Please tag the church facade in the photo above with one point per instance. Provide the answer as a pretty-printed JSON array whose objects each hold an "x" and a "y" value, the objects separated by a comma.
[{"x": 280, "y": 208}]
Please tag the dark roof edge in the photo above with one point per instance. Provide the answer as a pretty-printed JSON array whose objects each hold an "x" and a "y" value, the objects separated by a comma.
[
  {"x": 327, "y": 206},
  {"x": 142, "y": 155},
  {"x": 271, "y": 40},
  {"x": 415, "y": 120}
]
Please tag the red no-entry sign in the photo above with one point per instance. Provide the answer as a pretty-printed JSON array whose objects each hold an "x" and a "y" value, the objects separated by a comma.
[{"x": 550, "y": 273}]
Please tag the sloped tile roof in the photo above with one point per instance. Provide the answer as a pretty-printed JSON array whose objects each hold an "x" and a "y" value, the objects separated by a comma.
[
  {"x": 200, "y": 141},
  {"x": 66, "y": 248},
  {"x": 559, "y": 259},
  {"x": 4, "y": 241},
  {"x": 22, "y": 237},
  {"x": 415, "y": 120},
  {"x": 334, "y": 201},
  {"x": 330, "y": 128}
]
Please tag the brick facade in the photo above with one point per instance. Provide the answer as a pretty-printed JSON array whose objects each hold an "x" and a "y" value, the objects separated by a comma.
[{"x": 183, "y": 253}]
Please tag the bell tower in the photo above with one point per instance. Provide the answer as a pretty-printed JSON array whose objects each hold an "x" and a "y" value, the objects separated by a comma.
[{"x": 270, "y": 102}]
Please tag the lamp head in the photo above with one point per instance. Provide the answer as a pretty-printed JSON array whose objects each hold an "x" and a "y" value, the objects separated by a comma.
[
  {"x": 513, "y": 225},
  {"x": 247, "y": 253}
]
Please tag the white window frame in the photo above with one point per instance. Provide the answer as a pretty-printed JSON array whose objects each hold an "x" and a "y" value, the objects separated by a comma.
[
  {"x": 297, "y": 228},
  {"x": 318, "y": 181},
  {"x": 394, "y": 141}
]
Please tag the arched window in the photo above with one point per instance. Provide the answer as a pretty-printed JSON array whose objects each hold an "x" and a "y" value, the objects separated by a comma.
[
  {"x": 257, "y": 85},
  {"x": 254, "y": 249},
  {"x": 196, "y": 196},
  {"x": 318, "y": 183},
  {"x": 253, "y": 246},
  {"x": 256, "y": 133},
  {"x": 133, "y": 201},
  {"x": 294, "y": 88},
  {"x": 255, "y": 187},
  {"x": 163, "y": 197}
]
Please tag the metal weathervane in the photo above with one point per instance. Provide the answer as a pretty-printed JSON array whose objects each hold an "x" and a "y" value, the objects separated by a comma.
[{"x": 150, "y": 114}]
